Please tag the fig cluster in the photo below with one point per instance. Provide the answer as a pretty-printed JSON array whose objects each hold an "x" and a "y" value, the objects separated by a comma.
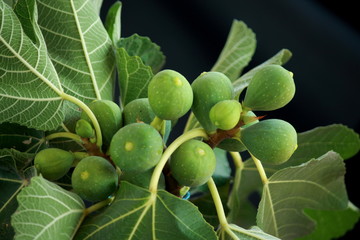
[{"x": 134, "y": 136}]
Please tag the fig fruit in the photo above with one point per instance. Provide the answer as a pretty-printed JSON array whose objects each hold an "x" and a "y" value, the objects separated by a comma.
[
  {"x": 272, "y": 87},
  {"x": 170, "y": 95},
  {"x": 136, "y": 147},
  {"x": 108, "y": 115},
  {"x": 210, "y": 88},
  {"x": 53, "y": 163},
  {"x": 193, "y": 163},
  {"x": 138, "y": 110},
  {"x": 94, "y": 179},
  {"x": 225, "y": 114},
  {"x": 84, "y": 129},
  {"x": 271, "y": 141}
]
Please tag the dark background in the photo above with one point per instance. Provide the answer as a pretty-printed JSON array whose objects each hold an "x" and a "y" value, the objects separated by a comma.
[{"x": 323, "y": 36}]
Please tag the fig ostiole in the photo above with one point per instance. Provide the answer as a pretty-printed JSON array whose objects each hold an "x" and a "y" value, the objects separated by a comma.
[
  {"x": 225, "y": 114},
  {"x": 193, "y": 163},
  {"x": 53, "y": 163},
  {"x": 271, "y": 88},
  {"x": 94, "y": 179},
  {"x": 109, "y": 116},
  {"x": 170, "y": 95},
  {"x": 271, "y": 141},
  {"x": 136, "y": 147},
  {"x": 210, "y": 88}
]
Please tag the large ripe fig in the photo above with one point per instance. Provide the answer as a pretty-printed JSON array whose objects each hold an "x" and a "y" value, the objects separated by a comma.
[
  {"x": 272, "y": 87},
  {"x": 170, "y": 95},
  {"x": 109, "y": 117},
  {"x": 210, "y": 88},
  {"x": 138, "y": 110},
  {"x": 94, "y": 179},
  {"x": 136, "y": 147},
  {"x": 225, "y": 114},
  {"x": 53, "y": 163},
  {"x": 193, "y": 163},
  {"x": 271, "y": 141}
]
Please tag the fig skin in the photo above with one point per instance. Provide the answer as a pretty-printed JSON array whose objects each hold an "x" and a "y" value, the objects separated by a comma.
[
  {"x": 210, "y": 88},
  {"x": 136, "y": 147},
  {"x": 193, "y": 163},
  {"x": 109, "y": 116},
  {"x": 271, "y": 141},
  {"x": 53, "y": 163},
  {"x": 225, "y": 114},
  {"x": 138, "y": 110},
  {"x": 170, "y": 95},
  {"x": 94, "y": 179},
  {"x": 271, "y": 88}
]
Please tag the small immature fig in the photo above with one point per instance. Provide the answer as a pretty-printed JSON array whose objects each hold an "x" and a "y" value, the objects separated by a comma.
[
  {"x": 136, "y": 147},
  {"x": 225, "y": 114},
  {"x": 271, "y": 141},
  {"x": 84, "y": 129},
  {"x": 272, "y": 87},
  {"x": 193, "y": 163},
  {"x": 94, "y": 179},
  {"x": 53, "y": 163},
  {"x": 108, "y": 115},
  {"x": 210, "y": 88},
  {"x": 170, "y": 95},
  {"x": 138, "y": 110}
]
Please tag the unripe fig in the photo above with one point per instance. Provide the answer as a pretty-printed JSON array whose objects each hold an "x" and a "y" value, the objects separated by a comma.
[
  {"x": 138, "y": 110},
  {"x": 193, "y": 163},
  {"x": 108, "y": 115},
  {"x": 272, "y": 87},
  {"x": 94, "y": 179},
  {"x": 271, "y": 141},
  {"x": 53, "y": 163},
  {"x": 225, "y": 114},
  {"x": 210, "y": 88},
  {"x": 84, "y": 129},
  {"x": 136, "y": 147},
  {"x": 170, "y": 95},
  {"x": 142, "y": 179},
  {"x": 249, "y": 118}
]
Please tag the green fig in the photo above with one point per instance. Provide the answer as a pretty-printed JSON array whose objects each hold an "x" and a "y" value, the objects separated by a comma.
[
  {"x": 210, "y": 88},
  {"x": 225, "y": 114},
  {"x": 170, "y": 95},
  {"x": 94, "y": 179},
  {"x": 271, "y": 141},
  {"x": 136, "y": 147},
  {"x": 193, "y": 163},
  {"x": 53, "y": 163},
  {"x": 109, "y": 117},
  {"x": 84, "y": 129},
  {"x": 272, "y": 87},
  {"x": 138, "y": 110}
]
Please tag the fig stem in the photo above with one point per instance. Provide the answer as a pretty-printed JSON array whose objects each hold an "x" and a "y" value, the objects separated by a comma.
[
  {"x": 260, "y": 169},
  {"x": 197, "y": 132},
  {"x": 157, "y": 123},
  {"x": 69, "y": 135},
  {"x": 238, "y": 162},
  {"x": 219, "y": 208},
  {"x": 98, "y": 206},
  {"x": 189, "y": 121},
  {"x": 90, "y": 114}
]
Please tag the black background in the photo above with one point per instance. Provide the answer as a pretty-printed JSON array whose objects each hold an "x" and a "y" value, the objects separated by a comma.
[{"x": 323, "y": 36}]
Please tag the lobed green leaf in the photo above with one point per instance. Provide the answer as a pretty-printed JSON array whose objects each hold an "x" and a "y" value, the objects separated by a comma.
[
  {"x": 236, "y": 232},
  {"x": 113, "y": 22}
]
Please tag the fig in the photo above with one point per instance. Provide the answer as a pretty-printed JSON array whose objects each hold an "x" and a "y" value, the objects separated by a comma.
[
  {"x": 210, "y": 88},
  {"x": 136, "y": 147},
  {"x": 271, "y": 88},
  {"x": 193, "y": 163},
  {"x": 53, "y": 163},
  {"x": 225, "y": 114},
  {"x": 94, "y": 179},
  {"x": 109, "y": 117},
  {"x": 84, "y": 129},
  {"x": 271, "y": 141},
  {"x": 138, "y": 110},
  {"x": 170, "y": 95}
]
